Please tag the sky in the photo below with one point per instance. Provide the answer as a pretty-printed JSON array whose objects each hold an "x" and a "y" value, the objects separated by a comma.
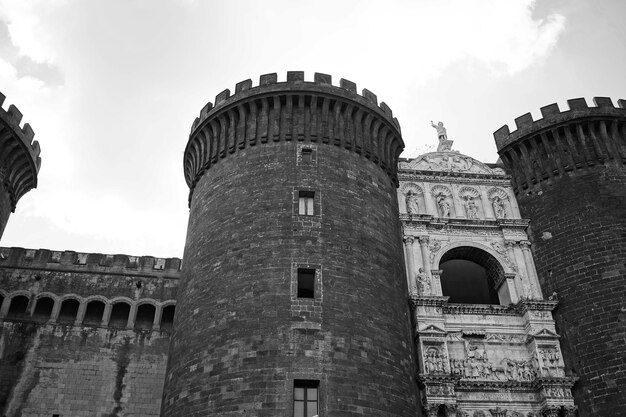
[{"x": 111, "y": 88}]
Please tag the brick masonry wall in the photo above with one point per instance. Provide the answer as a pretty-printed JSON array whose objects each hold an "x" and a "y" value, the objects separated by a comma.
[
  {"x": 80, "y": 371},
  {"x": 241, "y": 335},
  {"x": 583, "y": 261},
  {"x": 5, "y": 208}
]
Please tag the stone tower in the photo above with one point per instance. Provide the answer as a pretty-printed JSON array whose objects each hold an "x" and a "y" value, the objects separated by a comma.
[
  {"x": 19, "y": 161},
  {"x": 292, "y": 296},
  {"x": 570, "y": 180}
]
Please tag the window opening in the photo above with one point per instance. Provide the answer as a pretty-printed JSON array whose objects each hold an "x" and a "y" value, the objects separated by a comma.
[
  {"x": 119, "y": 315},
  {"x": 145, "y": 316},
  {"x": 94, "y": 312},
  {"x": 43, "y": 309},
  {"x": 307, "y": 154},
  {"x": 305, "y": 202},
  {"x": 167, "y": 317},
  {"x": 17, "y": 309},
  {"x": 469, "y": 275},
  {"x": 305, "y": 398},
  {"x": 306, "y": 283},
  {"x": 69, "y": 311}
]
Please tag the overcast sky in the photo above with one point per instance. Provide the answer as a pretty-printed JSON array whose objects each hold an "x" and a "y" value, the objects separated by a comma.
[{"x": 111, "y": 88}]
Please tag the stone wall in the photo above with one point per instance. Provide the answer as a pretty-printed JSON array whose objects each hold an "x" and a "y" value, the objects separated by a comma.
[{"x": 56, "y": 358}]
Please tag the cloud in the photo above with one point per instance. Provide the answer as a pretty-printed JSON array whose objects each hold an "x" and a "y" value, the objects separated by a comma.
[{"x": 24, "y": 65}]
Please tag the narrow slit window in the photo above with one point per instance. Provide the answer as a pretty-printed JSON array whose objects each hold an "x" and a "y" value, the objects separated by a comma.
[
  {"x": 306, "y": 283},
  {"x": 305, "y": 202},
  {"x": 305, "y": 398}
]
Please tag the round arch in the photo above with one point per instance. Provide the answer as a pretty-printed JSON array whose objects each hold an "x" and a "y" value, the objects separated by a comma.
[{"x": 470, "y": 274}]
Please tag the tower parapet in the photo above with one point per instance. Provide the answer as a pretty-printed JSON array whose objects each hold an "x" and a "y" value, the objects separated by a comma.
[
  {"x": 563, "y": 141},
  {"x": 19, "y": 160},
  {"x": 569, "y": 174},
  {"x": 295, "y": 110}
]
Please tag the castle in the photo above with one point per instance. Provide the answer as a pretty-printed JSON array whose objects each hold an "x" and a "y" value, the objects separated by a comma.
[{"x": 324, "y": 275}]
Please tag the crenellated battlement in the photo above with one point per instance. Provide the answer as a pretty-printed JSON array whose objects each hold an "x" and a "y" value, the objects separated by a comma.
[
  {"x": 19, "y": 154},
  {"x": 551, "y": 115},
  {"x": 92, "y": 262},
  {"x": 295, "y": 79},
  {"x": 294, "y": 110},
  {"x": 563, "y": 141}
]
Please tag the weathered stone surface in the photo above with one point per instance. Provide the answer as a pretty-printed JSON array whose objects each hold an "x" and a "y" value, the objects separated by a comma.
[{"x": 570, "y": 179}]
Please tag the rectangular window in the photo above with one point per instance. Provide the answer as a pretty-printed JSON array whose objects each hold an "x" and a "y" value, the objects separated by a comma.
[
  {"x": 305, "y": 398},
  {"x": 305, "y": 202},
  {"x": 307, "y": 155},
  {"x": 306, "y": 283}
]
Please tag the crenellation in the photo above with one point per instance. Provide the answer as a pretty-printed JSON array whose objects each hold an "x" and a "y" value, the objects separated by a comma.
[
  {"x": 603, "y": 102},
  {"x": 268, "y": 79},
  {"x": 222, "y": 97},
  {"x": 295, "y": 76},
  {"x": 577, "y": 104},
  {"x": 368, "y": 95},
  {"x": 15, "y": 116},
  {"x": 323, "y": 79},
  {"x": 16, "y": 257},
  {"x": 241, "y": 87},
  {"x": 549, "y": 110},
  {"x": 524, "y": 120},
  {"x": 347, "y": 85}
]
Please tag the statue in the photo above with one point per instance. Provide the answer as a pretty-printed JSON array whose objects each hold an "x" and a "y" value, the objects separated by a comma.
[
  {"x": 444, "y": 143},
  {"x": 441, "y": 131},
  {"x": 471, "y": 208},
  {"x": 498, "y": 208},
  {"x": 423, "y": 283},
  {"x": 444, "y": 206},
  {"x": 411, "y": 203}
]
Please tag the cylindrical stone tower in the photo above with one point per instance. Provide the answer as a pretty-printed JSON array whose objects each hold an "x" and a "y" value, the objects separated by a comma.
[
  {"x": 569, "y": 175},
  {"x": 19, "y": 161},
  {"x": 292, "y": 299}
]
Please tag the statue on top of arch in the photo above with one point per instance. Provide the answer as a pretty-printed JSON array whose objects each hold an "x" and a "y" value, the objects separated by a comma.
[{"x": 442, "y": 135}]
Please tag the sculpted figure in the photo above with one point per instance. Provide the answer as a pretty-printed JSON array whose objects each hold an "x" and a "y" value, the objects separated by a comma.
[
  {"x": 441, "y": 131},
  {"x": 444, "y": 206},
  {"x": 498, "y": 208},
  {"x": 423, "y": 283},
  {"x": 411, "y": 203},
  {"x": 471, "y": 209}
]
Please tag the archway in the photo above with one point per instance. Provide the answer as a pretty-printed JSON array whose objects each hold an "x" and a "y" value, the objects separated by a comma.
[{"x": 470, "y": 276}]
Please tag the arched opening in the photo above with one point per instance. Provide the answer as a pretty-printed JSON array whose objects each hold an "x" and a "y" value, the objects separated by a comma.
[
  {"x": 69, "y": 311},
  {"x": 1, "y": 299},
  {"x": 94, "y": 312},
  {"x": 43, "y": 309},
  {"x": 145, "y": 316},
  {"x": 470, "y": 275},
  {"x": 119, "y": 315},
  {"x": 18, "y": 307},
  {"x": 167, "y": 317}
]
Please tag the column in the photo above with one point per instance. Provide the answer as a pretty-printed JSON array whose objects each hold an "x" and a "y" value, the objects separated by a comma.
[
  {"x": 80, "y": 314},
  {"x": 431, "y": 208},
  {"x": 511, "y": 255},
  {"x": 531, "y": 271},
  {"x": 106, "y": 316},
  {"x": 435, "y": 282},
  {"x": 526, "y": 289},
  {"x": 156, "y": 324},
  {"x": 506, "y": 290},
  {"x": 487, "y": 208},
  {"x": 459, "y": 209},
  {"x": 4, "y": 308},
  {"x": 410, "y": 261},
  {"x": 54, "y": 316},
  {"x": 425, "y": 253},
  {"x": 131, "y": 316}
]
